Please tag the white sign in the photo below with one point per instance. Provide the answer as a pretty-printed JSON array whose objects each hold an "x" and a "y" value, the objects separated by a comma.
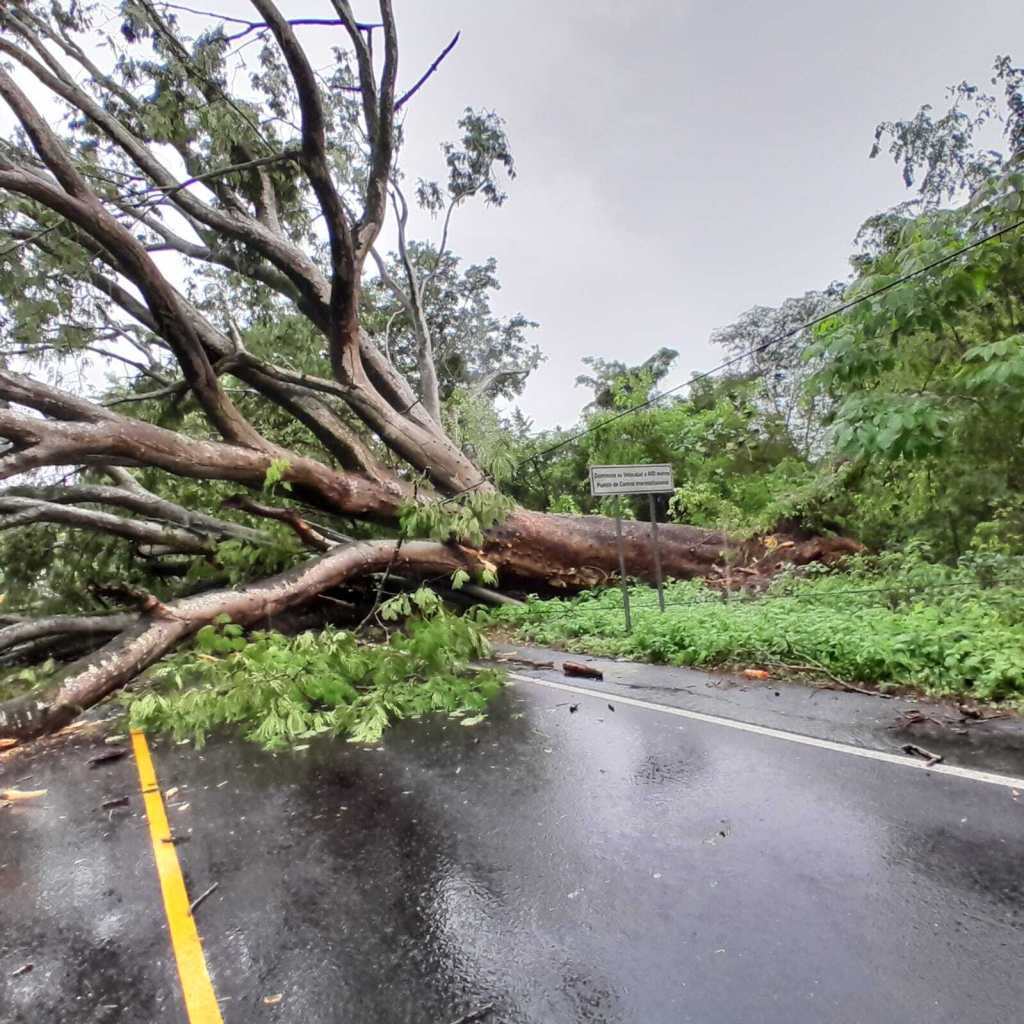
[{"x": 649, "y": 479}]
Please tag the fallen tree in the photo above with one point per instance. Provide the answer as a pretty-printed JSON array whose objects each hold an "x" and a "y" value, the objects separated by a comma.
[{"x": 273, "y": 226}]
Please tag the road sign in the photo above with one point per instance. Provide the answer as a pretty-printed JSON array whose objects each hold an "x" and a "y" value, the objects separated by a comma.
[
  {"x": 654, "y": 478},
  {"x": 650, "y": 479}
]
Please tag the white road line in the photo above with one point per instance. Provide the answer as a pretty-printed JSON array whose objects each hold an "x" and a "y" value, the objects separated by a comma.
[{"x": 781, "y": 734}]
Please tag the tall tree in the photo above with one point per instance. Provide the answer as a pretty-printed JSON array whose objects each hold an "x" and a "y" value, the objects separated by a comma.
[
  {"x": 134, "y": 157},
  {"x": 923, "y": 382}
]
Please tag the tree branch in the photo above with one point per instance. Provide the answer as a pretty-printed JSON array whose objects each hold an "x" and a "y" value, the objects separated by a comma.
[
  {"x": 408, "y": 95},
  {"x": 132, "y": 496},
  {"x": 24, "y": 630},
  {"x": 343, "y": 336},
  {"x": 310, "y": 536},
  {"x": 17, "y": 512}
]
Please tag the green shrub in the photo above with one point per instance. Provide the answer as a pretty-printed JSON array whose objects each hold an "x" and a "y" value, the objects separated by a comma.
[{"x": 891, "y": 621}]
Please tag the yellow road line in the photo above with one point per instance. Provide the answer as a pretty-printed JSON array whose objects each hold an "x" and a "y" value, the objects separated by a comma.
[{"x": 200, "y": 1001}]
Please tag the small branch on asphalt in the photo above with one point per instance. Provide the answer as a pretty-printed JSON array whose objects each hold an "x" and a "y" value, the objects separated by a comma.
[
  {"x": 117, "y": 801},
  {"x": 849, "y": 687},
  {"x": 519, "y": 660},
  {"x": 106, "y": 757},
  {"x": 202, "y": 896},
  {"x": 474, "y": 1014},
  {"x": 916, "y": 751}
]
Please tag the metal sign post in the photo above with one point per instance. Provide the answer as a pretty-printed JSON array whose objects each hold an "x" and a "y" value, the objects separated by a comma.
[
  {"x": 647, "y": 479},
  {"x": 622, "y": 569},
  {"x": 657, "y": 552}
]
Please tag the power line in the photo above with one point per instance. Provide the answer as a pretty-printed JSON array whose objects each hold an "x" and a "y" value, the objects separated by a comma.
[{"x": 732, "y": 361}]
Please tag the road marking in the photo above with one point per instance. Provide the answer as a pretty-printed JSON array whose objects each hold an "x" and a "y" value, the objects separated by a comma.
[
  {"x": 781, "y": 734},
  {"x": 200, "y": 1001}
]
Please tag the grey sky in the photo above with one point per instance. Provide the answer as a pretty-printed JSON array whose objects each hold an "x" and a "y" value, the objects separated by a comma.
[{"x": 678, "y": 162}]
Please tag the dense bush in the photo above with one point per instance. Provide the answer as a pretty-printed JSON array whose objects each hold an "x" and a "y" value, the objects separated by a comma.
[{"x": 891, "y": 622}]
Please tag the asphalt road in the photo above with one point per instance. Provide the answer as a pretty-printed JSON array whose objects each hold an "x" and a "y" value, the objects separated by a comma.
[{"x": 594, "y": 865}]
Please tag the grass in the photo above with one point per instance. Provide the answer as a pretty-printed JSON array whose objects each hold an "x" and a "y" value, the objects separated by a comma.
[{"x": 944, "y": 631}]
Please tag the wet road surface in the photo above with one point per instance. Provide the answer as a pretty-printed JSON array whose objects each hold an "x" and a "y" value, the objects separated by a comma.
[{"x": 593, "y": 865}]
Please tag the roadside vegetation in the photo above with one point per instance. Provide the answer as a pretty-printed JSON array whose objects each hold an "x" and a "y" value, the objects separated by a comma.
[{"x": 890, "y": 622}]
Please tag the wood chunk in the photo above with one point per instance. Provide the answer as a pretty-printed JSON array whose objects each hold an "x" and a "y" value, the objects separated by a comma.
[{"x": 574, "y": 668}]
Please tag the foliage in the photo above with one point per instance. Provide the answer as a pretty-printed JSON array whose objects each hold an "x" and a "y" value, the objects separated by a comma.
[
  {"x": 892, "y": 621},
  {"x": 473, "y": 347},
  {"x": 616, "y": 385},
  {"x": 734, "y": 461},
  {"x": 16, "y": 682},
  {"x": 465, "y": 519},
  {"x": 770, "y": 345},
  {"x": 942, "y": 156},
  {"x": 282, "y": 690}
]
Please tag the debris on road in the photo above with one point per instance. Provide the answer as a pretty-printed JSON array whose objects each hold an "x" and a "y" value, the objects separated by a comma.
[
  {"x": 273, "y": 1000},
  {"x": 202, "y": 896},
  {"x": 756, "y": 673},
  {"x": 518, "y": 659},
  {"x": 114, "y": 754},
  {"x": 15, "y": 795},
  {"x": 117, "y": 801},
  {"x": 916, "y": 751},
  {"x": 915, "y": 717},
  {"x": 574, "y": 668},
  {"x": 474, "y": 1014},
  {"x": 611, "y": 707},
  {"x": 23, "y": 969}
]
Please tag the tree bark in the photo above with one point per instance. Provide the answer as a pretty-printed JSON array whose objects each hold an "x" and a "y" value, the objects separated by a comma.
[{"x": 574, "y": 552}]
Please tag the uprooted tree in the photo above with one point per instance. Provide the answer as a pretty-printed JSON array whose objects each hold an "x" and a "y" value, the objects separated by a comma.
[{"x": 213, "y": 244}]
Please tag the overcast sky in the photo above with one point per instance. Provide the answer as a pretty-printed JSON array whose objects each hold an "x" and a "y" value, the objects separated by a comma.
[{"x": 678, "y": 162}]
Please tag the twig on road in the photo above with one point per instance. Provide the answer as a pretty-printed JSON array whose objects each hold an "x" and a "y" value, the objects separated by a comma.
[
  {"x": 474, "y": 1014},
  {"x": 109, "y": 755},
  {"x": 835, "y": 679},
  {"x": 199, "y": 899},
  {"x": 916, "y": 751}
]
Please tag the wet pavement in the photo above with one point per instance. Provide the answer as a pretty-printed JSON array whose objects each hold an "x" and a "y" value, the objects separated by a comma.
[{"x": 594, "y": 865}]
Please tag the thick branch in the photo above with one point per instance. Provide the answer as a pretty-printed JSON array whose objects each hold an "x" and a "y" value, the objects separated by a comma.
[
  {"x": 344, "y": 269},
  {"x": 16, "y": 512},
  {"x": 152, "y": 636},
  {"x": 135, "y": 498},
  {"x": 22, "y": 631},
  {"x": 117, "y": 440},
  {"x": 80, "y": 205},
  {"x": 276, "y": 248}
]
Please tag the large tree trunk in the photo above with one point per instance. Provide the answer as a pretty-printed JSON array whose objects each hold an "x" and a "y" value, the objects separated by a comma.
[
  {"x": 529, "y": 548},
  {"x": 572, "y": 552}
]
